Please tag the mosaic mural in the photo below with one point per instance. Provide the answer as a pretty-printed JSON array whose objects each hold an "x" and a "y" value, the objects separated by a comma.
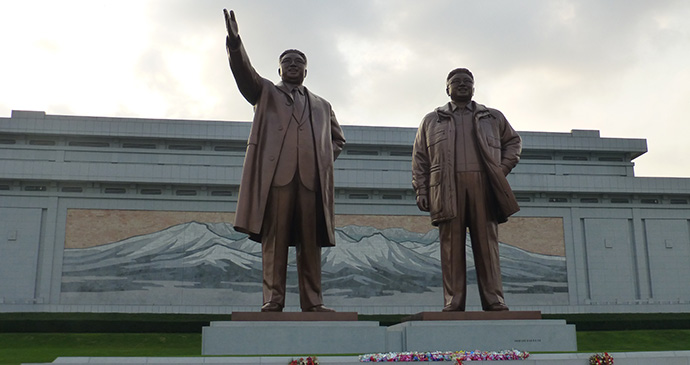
[{"x": 197, "y": 258}]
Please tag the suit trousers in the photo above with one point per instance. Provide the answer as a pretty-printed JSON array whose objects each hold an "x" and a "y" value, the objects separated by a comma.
[
  {"x": 473, "y": 213},
  {"x": 290, "y": 219}
]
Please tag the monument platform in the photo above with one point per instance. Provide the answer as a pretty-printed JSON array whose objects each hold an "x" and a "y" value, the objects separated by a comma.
[{"x": 256, "y": 333}]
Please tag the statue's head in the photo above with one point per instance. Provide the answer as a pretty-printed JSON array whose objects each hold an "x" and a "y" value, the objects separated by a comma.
[
  {"x": 292, "y": 66},
  {"x": 460, "y": 85}
]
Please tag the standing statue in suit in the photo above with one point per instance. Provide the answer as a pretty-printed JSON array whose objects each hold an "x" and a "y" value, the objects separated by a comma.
[
  {"x": 462, "y": 154},
  {"x": 286, "y": 191}
]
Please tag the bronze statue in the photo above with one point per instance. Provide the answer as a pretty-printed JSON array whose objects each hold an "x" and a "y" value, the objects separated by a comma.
[
  {"x": 462, "y": 154},
  {"x": 286, "y": 191}
]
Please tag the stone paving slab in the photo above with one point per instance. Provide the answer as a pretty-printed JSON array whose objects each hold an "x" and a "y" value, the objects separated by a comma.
[{"x": 620, "y": 358}]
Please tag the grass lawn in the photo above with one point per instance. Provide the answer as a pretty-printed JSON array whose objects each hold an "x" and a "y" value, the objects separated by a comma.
[
  {"x": 633, "y": 340},
  {"x": 17, "y": 348}
]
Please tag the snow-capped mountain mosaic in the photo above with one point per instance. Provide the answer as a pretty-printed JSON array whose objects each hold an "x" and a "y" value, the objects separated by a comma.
[{"x": 189, "y": 261}]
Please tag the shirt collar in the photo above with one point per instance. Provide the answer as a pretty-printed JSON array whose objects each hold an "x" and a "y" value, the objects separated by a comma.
[{"x": 454, "y": 107}]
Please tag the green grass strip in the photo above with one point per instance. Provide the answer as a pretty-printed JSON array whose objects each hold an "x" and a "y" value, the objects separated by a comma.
[
  {"x": 17, "y": 348},
  {"x": 633, "y": 341}
]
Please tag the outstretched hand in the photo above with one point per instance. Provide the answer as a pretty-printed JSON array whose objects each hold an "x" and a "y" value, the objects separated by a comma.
[{"x": 233, "y": 38}]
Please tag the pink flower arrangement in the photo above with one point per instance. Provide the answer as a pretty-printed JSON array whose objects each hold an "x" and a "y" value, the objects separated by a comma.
[{"x": 458, "y": 356}]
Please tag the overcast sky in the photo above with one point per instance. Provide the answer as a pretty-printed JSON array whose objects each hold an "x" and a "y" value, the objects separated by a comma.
[{"x": 618, "y": 66}]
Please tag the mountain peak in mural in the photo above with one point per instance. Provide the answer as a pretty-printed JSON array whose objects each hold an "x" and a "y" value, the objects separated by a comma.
[{"x": 365, "y": 262}]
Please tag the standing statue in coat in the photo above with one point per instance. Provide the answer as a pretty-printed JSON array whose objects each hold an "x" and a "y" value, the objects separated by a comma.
[
  {"x": 462, "y": 154},
  {"x": 286, "y": 191}
]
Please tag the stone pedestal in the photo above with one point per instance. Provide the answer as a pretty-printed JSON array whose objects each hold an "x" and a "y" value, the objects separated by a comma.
[
  {"x": 293, "y": 333},
  {"x": 487, "y": 331},
  {"x": 254, "y": 333}
]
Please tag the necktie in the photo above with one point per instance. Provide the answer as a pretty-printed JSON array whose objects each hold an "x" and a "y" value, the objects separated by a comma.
[{"x": 299, "y": 104}]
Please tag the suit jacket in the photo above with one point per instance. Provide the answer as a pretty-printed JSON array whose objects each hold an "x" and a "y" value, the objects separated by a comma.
[{"x": 272, "y": 112}]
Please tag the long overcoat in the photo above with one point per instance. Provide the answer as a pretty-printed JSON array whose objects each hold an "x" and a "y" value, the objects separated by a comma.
[
  {"x": 272, "y": 112},
  {"x": 433, "y": 160}
]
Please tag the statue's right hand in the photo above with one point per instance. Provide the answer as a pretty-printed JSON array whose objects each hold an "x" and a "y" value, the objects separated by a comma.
[
  {"x": 233, "y": 30},
  {"x": 423, "y": 203}
]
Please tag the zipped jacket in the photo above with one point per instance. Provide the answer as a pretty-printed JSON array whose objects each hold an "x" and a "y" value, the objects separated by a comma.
[{"x": 433, "y": 160}]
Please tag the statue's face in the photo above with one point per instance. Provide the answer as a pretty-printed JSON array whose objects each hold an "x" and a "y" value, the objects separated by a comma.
[
  {"x": 293, "y": 68},
  {"x": 460, "y": 87}
]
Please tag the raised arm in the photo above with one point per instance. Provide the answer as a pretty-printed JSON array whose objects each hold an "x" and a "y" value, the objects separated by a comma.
[
  {"x": 233, "y": 38},
  {"x": 248, "y": 80}
]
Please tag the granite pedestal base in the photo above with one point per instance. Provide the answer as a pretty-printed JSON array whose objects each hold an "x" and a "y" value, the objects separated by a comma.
[
  {"x": 524, "y": 335},
  {"x": 341, "y": 333},
  {"x": 292, "y": 337}
]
